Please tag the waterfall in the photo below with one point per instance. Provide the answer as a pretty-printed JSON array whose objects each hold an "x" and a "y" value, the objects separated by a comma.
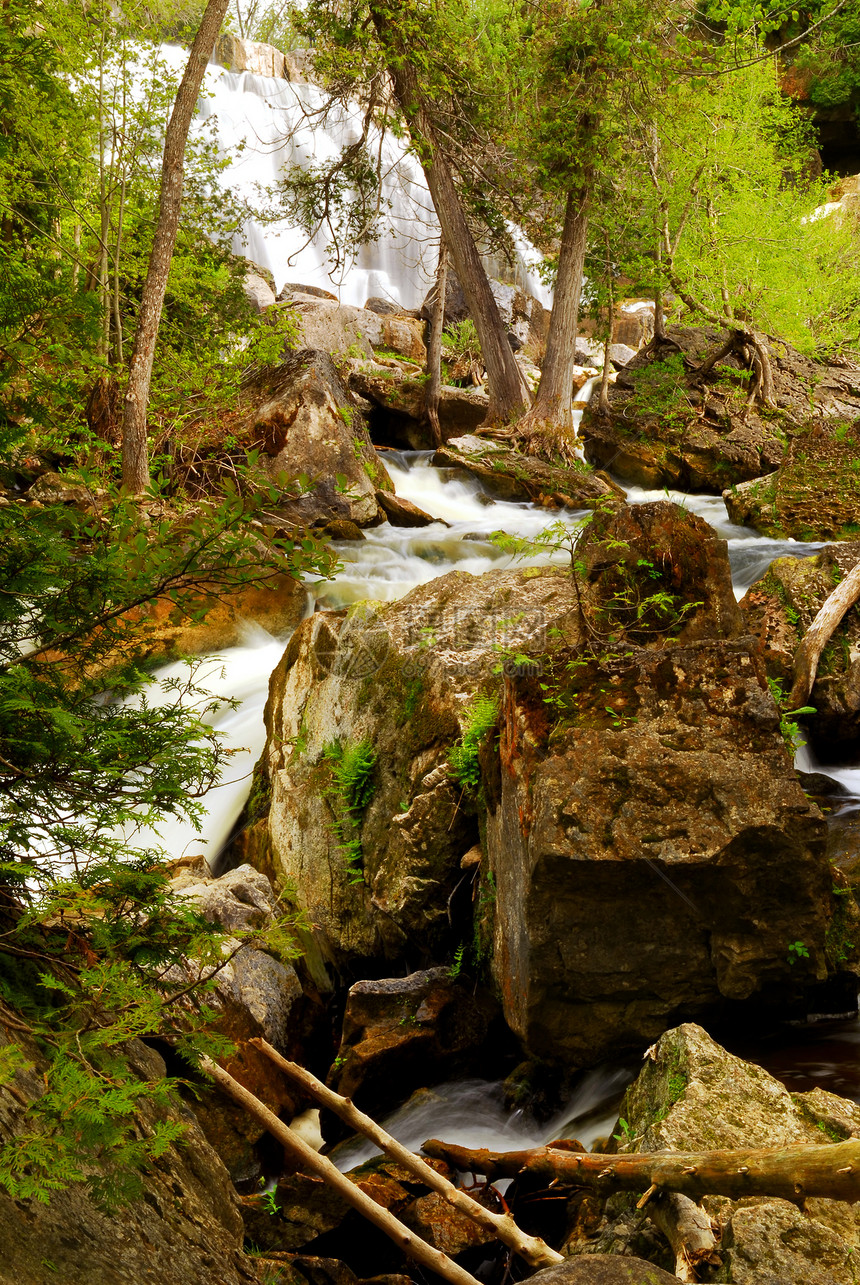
[{"x": 264, "y": 126}]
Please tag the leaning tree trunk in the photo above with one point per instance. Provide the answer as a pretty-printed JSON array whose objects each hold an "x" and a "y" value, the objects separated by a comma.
[
  {"x": 790, "y": 1173},
  {"x": 818, "y": 635},
  {"x": 135, "y": 456},
  {"x": 548, "y": 428},
  {"x": 508, "y": 392}
]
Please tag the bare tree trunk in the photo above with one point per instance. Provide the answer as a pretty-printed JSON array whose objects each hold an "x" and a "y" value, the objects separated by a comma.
[
  {"x": 312, "y": 1162},
  {"x": 603, "y": 400},
  {"x": 688, "y": 1230},
  {"x": 818, "y": 635},
  {"x": 135, "y": 455},
  {"x": 434, "y": 347},
  {"x": 790, "y": 1173},
  {"x": 509, "y": 395},
  {"x": 535, "y": 1251},
  {"x": 548, "y": 427}
]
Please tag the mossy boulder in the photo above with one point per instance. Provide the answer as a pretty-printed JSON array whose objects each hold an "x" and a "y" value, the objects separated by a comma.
[
  {"x": 814, "y": 494},
  {"x": 693, "y": 1095},
  {"x": 511, "y": 475},
  {"x": 653, "y": 852},
  {"x": 668, "y": 427},
  {"x": 779, "y": 608},
  {"x": 380, "y": 880}
]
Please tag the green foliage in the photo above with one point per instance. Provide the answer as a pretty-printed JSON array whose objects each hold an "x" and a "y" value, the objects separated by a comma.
[
  {"x": 480, "y": 717},
  {"x": 660, "y": 391},
  {"x": 352, "y": 768},
  {"x": 790, "y": 729},
  {"x": 94, "y": 948},
  {"x": 797, "y": 950}
]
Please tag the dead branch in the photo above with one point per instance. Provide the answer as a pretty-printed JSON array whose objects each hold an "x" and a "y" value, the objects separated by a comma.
[
  {"x": 312, "y": 1162},
  {"x": 818, "y": 635},
  {"x": 531, "y": 1248},
  {"x": 790, "y": 1173},
  {"x": 688, "y": 1230}
]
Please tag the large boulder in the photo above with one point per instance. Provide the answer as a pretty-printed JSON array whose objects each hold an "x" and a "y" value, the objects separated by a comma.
[
  {"x": 387, "y": 687},
  {"x": 403, "y": 1033},
  {"x": 814, "y": 494},
  {"x": 396, "y": 394},
  {"x": 668, "y": 427},
  {"x": 308, "y": 424},
  {"x": 186, "y": 1225},
  {"x": 511, "y": 475},
  {"x": 652, "y": 850}
]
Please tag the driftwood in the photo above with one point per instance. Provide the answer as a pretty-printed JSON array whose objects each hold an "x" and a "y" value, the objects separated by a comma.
[
  {"x": 688, "y": 1230},
  {"x": 790, "y": 1173},
  {"x": 818, "y": 635},
  {"x": 531, "y": 1248},
  {"x": 314, "y": 1163}
]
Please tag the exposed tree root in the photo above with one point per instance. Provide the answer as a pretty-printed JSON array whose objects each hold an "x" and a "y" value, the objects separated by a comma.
[{"x": 552, "y": 440}]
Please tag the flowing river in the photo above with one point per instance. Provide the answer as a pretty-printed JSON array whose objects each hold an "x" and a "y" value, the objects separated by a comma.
[{"x": 386, "y": 565}]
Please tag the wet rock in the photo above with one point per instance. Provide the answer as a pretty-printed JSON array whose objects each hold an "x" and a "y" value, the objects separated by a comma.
[
  {"x": 667, "y": 428},
  {"x": 185, "y": 1227},
  {"x": 343, "y": 529},
  {"x": 407, "y": 1032},
  {"x": 815, "y": 493},
  {"x": 308, "y": 425},
  {"x": 403, "y": 512},
  {"x": 312, "y": 292},
  {"x": 249, "y": 55},
  {"x": 511, "y": 475},
  {"x": 780, "y": 607},
  {"x": 445, "y": 1228},
  {"x": 652, "y": 850},
  {"x": 603, "y": 1269},
  {"x": 397, "y": 677},
  {"x": 524, "y": 317}
]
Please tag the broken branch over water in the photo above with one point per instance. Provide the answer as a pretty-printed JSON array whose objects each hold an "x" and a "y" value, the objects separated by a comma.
[{"x": 790, "y": 1173}]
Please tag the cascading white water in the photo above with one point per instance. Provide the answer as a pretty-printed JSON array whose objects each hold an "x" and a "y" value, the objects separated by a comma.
[{"x": 264, "y": 126}]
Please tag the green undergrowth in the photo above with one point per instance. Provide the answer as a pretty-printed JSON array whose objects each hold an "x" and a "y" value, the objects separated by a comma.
[
  {"x": 480, "y": 718},
  {"x": 352, "y": 767}
]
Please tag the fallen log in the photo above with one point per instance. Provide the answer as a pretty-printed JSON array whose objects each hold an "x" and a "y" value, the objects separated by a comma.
[
  {"x": 531, "y": 1248},
  {"x": 688, "y": 1230},
  {"x": 790, "y": 1173},
  {"x": 314, "y": 1163},
  {"x": 818, "y": 635}
]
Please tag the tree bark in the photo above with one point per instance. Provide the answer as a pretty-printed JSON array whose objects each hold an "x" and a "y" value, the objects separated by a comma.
[
  {"x": 135, "y": 455},
  {"x": 312, "y": 1162},
  {"x": 434, "y": 347},
  {"x": 548, "y": 429},
  {"x": 688, "y": 1230},
  {"x": 531, "y": 1248},
  {"x": 790, "y": 1173},
  {"x": 509, "y": 395},
  {"x": 818, "y": 635}
]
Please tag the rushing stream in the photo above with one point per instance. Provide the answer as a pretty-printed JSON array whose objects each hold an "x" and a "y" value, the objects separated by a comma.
[{"x": 386, "y": 565}]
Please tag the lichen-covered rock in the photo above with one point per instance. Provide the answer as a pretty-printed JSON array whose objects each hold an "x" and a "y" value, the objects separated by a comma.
[
  {"x": 653, "y": 852},
  {"x": 693, "y": 1095},
  {"x": 395, "y": 678},
  {"x": 185, "y": 1227},
  {"x": 815, "y": 492},
  {"x": 781, "y": 606},
  {"x": 667, "y": 427},
  {"x": 510, "y": 475},
  {"x": 404, "y": 1033},
  {"x": 309, "y": 425},
  {"x": 773, "y": 1243}
]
